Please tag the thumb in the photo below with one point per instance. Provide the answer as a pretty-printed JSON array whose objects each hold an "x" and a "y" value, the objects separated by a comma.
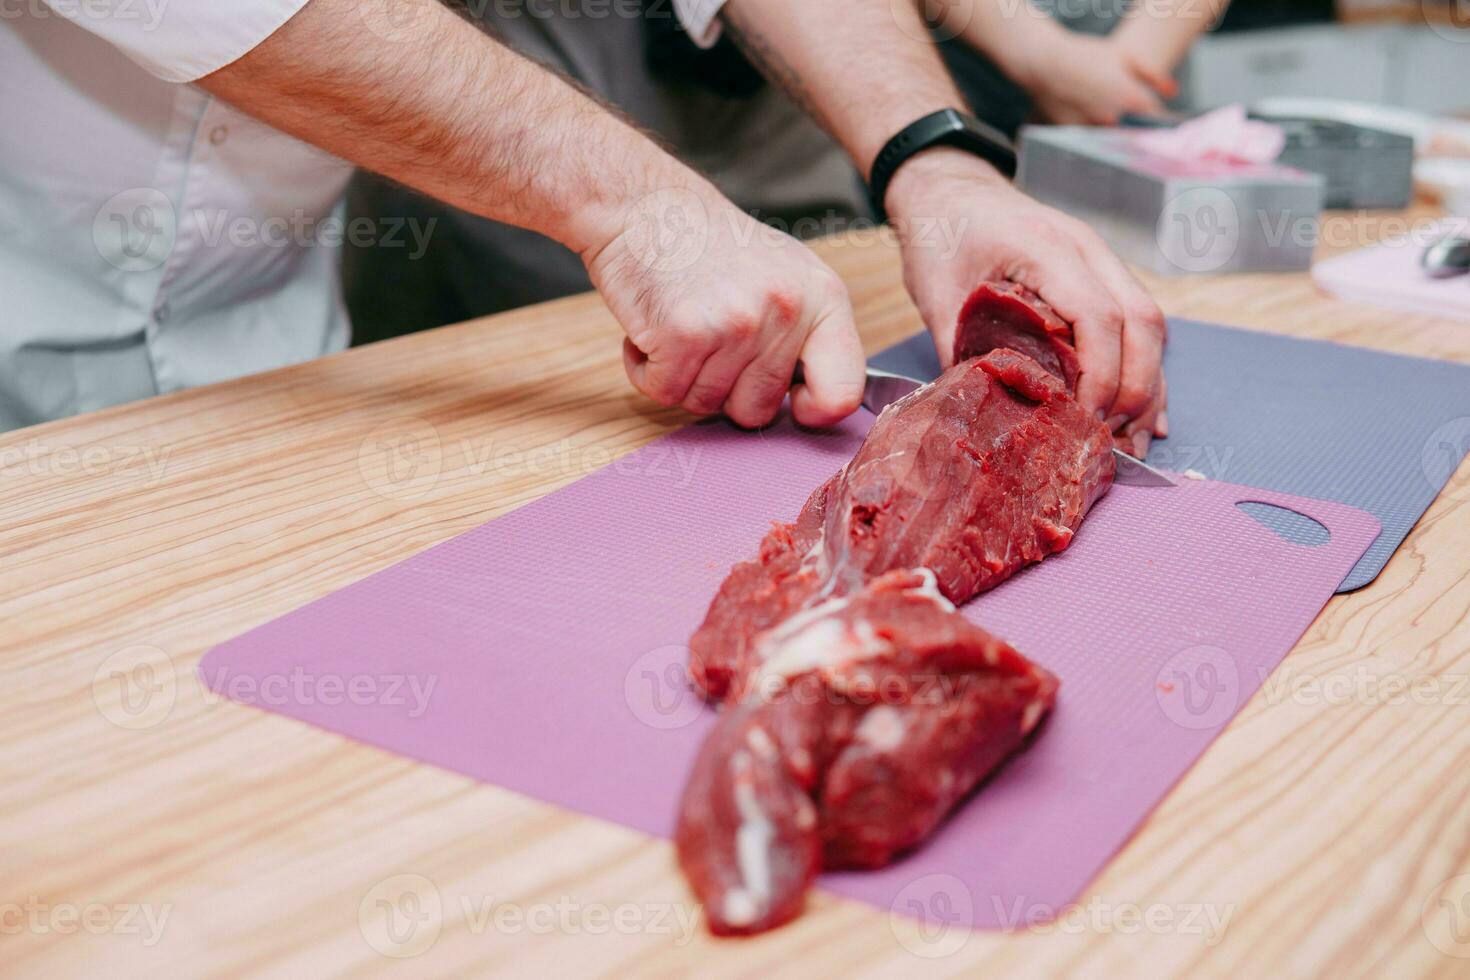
[{"x": 833, "y": 366}]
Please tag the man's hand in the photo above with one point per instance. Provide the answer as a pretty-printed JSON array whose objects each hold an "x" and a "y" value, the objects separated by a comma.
[
  {"x": 1076, "y": 79},
  {"x": 809, "y": 48},
  {"x": 1003, "y": 234},
  {"x": 718, "y": 310}
]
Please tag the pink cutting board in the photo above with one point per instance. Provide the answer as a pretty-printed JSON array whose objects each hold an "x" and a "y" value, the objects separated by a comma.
[
  {"x": 543, "y": 652},
  {"x": 1389, "y": 275}
]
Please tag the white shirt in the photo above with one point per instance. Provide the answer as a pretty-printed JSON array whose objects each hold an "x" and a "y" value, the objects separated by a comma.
[
  {"x": 700, "y": 19},
  {"x": 151, "y": 237}
]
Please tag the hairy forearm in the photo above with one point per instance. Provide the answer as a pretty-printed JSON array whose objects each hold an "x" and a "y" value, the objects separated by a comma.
[
  {"x": 1159, "y": 33},
  {"x": 1012, "y": 33},
  {"x": 431, "y": 101},
  {"x": 863, "y": 69}
]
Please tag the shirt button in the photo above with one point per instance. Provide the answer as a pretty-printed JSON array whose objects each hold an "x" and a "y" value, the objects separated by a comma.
[{"x": 218, "y": 135}]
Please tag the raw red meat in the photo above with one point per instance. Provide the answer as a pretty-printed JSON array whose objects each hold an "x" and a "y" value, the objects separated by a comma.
[
  {"x": 956, "y": 487},
  {"x": 986, "y": 470},
  {"x": 1007, "y": 314},
  {"x": 870, "y": 716}
]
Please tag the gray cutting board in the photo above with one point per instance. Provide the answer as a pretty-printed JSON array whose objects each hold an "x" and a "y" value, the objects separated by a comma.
[{"x": 1378, "y": 431}]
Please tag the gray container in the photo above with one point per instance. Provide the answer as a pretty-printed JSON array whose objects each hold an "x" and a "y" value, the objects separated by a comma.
[
  {"x": 1175, "y": 218},
  {"x": 1363, "y": 168}
]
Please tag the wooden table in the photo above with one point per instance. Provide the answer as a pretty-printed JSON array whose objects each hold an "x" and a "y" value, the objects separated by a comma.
[{"x": 149, "y": 829}]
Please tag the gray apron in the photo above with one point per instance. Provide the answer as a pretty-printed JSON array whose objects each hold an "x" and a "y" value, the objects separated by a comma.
[{"x": 760, "y": 150}]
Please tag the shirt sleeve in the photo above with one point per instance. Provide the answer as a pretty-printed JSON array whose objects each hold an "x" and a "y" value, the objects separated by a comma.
[
  {"x": 180, "y": 40},
  {"x": 701, "y": 20}
]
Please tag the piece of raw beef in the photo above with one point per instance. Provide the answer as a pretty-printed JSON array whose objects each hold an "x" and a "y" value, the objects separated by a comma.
[{"x": 826, "y": 754}]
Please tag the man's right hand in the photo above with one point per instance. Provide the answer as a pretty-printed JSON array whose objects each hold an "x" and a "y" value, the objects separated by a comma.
[{"x": 718, "y": 309}]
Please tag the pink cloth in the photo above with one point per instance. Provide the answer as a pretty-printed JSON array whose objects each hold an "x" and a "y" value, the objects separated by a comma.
[{"x": 1224, "y": 134}]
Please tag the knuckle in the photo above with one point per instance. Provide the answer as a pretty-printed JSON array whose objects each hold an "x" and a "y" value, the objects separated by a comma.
[
  {"x": 741, "y": 327},
  {"x": 834, "y": 288},
  {"x": 1133, "y": 397},
  {"x": 706, "y": 398},
  {"x": 687, "y": 336},
  {"x": 753, "y": 416},
  {"x": 783, "y": 307},
  {"x": 1110, "y": 315},
  {"x": 664, "y": 394}
]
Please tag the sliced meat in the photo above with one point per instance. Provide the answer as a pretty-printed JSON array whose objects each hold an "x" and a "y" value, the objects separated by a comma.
[
  {"x": 869, "y": 718},
  {"x": 988, "y": 469},
  {"x": 859, "y": 706},
  {"x": 1008, "y": 315}
]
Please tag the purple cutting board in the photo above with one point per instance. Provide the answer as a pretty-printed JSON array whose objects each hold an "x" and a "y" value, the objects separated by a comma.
[{"x": 543, "y": 652}]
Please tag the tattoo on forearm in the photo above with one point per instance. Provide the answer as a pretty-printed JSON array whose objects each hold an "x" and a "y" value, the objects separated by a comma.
[{"x": 766, "y": 57}]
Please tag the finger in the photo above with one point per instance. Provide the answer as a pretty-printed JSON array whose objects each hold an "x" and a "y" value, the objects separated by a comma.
[
  {"x": 1165, "y": 85},
  {"x": 757, "y": 394},
  {"x": 835, "y": 371},
  {"x": 716, "y": 379},
  {"x": 942, "y": 318},
  {"x": 663, "y": 376},
  {"x": 1161, "y": 426},
  {"x": 1144, "y": 332},
  {"x": 1143, "y": 101},
  {"x": 1070, "y": 286}
]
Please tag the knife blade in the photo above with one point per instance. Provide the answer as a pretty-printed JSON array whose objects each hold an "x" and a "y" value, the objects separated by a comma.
[{"x": 883, "y": 388}]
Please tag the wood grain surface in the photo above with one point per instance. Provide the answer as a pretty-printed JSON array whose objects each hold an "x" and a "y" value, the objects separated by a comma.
[{"x": 149, "y": 829}]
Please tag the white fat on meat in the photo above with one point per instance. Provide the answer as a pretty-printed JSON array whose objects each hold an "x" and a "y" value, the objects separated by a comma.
[
  {"x": 817, "y": 638},
  {"x": 744, "y": 905},
  {"x": 1031, "y": 716},
  {"x": 881, "y": 729}
]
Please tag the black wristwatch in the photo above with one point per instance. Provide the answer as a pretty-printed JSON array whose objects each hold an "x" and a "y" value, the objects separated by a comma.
[{"x": 947, "y": 127}]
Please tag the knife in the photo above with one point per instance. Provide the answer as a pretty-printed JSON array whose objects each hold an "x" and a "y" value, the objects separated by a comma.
[{"x": 883, "y": 388}]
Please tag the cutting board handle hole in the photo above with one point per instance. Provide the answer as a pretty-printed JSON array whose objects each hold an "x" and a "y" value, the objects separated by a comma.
[{"x": 1284, "y": 522}]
